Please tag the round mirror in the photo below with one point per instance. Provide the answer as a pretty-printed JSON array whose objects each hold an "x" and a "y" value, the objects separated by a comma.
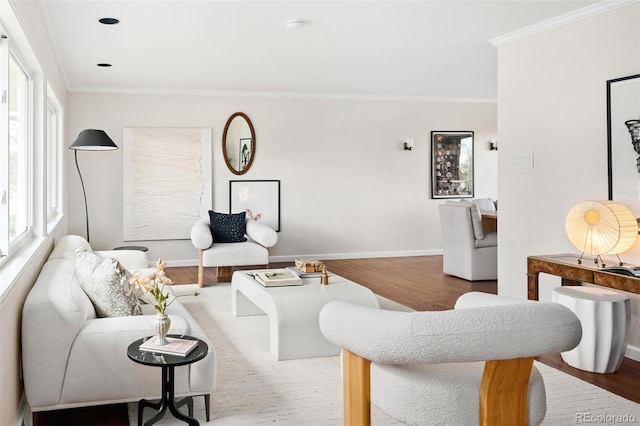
[{"x": 238, "y": 143}]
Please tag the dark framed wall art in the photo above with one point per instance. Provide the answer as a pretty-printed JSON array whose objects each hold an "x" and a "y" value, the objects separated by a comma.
[
  {"x": 260, "y": 198},
  {"x": 623, "y": 139},
  {"x": 451, "y": 164}
]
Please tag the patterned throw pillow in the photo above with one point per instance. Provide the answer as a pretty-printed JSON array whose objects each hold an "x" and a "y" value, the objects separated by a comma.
[
  {"x": 103, "y": 280},
  {"x": 227, "y": 228}
]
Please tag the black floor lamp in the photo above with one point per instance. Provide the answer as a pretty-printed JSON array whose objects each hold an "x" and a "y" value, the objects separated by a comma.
[{"x": 90, "y": 140}]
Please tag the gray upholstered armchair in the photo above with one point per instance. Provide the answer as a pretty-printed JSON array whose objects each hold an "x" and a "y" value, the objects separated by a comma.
[
  {"x": 470, "y": 365},
  {"x": 468, "y": 251}
]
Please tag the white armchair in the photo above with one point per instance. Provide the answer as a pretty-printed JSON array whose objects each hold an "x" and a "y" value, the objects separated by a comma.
[
  {"x": 223, "y": 256},
  {"x": 471, "y": 365},
  {"x": 468, "y": 251}
]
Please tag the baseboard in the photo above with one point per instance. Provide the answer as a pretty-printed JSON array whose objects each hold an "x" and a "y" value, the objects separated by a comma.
[
  {"x": 327, "y": 256},
  {"x": 633, "y": 352}
]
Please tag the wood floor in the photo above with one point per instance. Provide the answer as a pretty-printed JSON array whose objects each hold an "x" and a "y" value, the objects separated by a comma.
[{"x": 417, "y": 282}]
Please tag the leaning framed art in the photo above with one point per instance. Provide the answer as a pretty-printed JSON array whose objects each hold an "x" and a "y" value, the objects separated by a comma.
[
  {"x": 451, "y": 164},
  {"x": 623, "y": 140},
  {"x": 259, "y": 198}
]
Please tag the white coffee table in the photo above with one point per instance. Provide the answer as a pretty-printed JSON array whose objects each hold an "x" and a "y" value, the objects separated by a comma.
[{"x": 293, "y": 311}]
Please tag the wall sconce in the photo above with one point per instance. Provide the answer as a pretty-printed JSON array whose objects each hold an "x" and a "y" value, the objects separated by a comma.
[
  {"x": 408, "y": 144},
  {"x": 601, "y": 227},
  {"x": 493, "y": 145}
]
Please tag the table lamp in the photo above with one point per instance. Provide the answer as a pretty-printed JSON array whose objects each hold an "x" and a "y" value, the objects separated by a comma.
[
  {"x": 90, "y": 140},
  {"x": 601, "y": 227}
]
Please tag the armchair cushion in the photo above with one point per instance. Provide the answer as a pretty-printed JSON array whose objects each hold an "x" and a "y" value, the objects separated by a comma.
[
  {"x": 476, "y": 218},
  {"x": 227, "y": 228},
  {"x": 103, "y": 280}
]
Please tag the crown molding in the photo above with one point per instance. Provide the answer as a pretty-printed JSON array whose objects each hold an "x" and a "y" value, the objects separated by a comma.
[
  {"x": 558, "y": 21},
  {"x": 278, "y": 95}
]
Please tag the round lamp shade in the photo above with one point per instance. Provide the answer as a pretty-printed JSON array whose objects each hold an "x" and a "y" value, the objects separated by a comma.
[{"x": 601, "y": 227}]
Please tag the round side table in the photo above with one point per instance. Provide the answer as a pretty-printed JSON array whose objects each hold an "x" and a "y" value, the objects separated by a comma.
[{"x": 168, "y": 364}]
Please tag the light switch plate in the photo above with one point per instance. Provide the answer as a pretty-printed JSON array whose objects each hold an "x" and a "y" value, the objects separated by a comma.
[{"x": 522, "y": 161}]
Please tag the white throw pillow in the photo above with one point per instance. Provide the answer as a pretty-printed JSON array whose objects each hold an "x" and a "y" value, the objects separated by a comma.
[{"x": 105, "y": 282}]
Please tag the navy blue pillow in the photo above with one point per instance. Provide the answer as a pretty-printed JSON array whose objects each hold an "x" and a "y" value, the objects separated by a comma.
[{"x": 227, "y": 228}]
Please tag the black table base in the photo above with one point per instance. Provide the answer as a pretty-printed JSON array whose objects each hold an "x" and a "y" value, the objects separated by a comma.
[{"x": 168, "y": 401}]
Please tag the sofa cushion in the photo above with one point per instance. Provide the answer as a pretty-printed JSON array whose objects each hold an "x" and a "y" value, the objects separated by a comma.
[
  {"x": 104, "y": 281},
  {"x": 227, "y": 228}
]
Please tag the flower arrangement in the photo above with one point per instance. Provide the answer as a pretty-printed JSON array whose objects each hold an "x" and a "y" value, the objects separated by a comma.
[{"x": 154, "y": 286}]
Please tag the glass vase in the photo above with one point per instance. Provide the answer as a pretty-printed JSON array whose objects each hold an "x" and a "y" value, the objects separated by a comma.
[{"x": 160, "y": 329}]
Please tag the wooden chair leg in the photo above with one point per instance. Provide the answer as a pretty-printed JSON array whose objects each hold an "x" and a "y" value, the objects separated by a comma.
[
  {"x": 357, "y": 389},
  {"x": 200, "y": 269},
  {"x": 207, "y": 405},
  {"x": 503, "y": 392}
]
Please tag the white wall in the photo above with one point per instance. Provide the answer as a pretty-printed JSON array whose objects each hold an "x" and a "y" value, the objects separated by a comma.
[
  {"x": 348, "y": 189},
  {"x": 23, "y": 270},
  {"x": 552, "y": 103}
]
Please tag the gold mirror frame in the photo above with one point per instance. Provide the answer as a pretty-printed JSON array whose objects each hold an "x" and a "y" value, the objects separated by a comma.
[{"x": 226, "y": 154}]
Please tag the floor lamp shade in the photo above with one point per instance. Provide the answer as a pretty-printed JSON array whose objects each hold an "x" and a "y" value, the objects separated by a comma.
[
  {"x": 90, "y": 140},
  {"x": 93, "y": 140},
  {"x": 601, "y": 227}
]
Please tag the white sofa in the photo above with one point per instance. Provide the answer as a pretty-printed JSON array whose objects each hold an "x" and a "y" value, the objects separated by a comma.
[
  {"x": 253, "y": 252},
  {"x": 71, "y": 358}
]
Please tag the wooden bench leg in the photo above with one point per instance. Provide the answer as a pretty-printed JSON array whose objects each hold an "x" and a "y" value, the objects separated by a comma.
[
  {"x": 503, "y": 392},
  {"x": 357, "y": 389}
]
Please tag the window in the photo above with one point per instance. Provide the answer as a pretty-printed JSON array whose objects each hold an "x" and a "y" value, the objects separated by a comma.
[
  {"x": 19, "y": 170},
  {"x": 16, "y": 160},
  {"x": 53, "y": 157}
]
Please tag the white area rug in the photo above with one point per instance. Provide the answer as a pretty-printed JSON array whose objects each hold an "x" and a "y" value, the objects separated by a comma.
[{"x": 253, "y": 388}]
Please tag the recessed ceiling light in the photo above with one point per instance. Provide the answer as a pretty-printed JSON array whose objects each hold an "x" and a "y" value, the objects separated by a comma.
[
  {"x": 293, "y": 24},
  {"x": 109, "y": 21},
  {"x": 104, "y": 65}
]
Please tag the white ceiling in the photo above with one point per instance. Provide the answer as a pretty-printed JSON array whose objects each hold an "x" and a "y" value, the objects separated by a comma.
[{"x": 433, "y": 49}]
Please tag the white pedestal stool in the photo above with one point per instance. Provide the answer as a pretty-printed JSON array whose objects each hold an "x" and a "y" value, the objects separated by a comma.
[{"x": 605, "y": 317}]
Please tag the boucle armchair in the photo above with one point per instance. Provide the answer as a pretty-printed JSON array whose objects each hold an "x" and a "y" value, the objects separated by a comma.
[
  {"x": 254, "y": 251},
  {"x": 470, "y": 365},
  {"x": 468, "y": 251}
]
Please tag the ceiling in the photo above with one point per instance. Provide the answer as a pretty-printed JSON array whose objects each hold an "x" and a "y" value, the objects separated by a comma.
[{"x": 413, "y": 49}]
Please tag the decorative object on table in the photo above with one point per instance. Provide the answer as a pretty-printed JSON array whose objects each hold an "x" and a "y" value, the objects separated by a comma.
[
  {"x": 174, "y": 346},
  {"x": 324, "y": 278},
  {"x": 238, "y": 143},
  {"x": 601, "y": 227},
  {"x": 277, "y": 277},
  {"x": 309, "y": 265},
  {"x": 623, "y": 106},
  {"x": 452, "y": 164},
  {"x": 259, "y": 196},
  {"x": 154, "y": 286},
  {"x": 90, "y": 140},
  {"x": 166, "y": 181}
]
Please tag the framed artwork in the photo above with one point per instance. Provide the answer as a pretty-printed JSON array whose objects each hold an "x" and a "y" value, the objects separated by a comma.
[
  {"x": 245, "y": 152},
  {"x": 166, "y": 182},
  {"x": 259, "y": 198},
  {"x": 623, "y": 144},
  {"x": 451, "y": 164}
]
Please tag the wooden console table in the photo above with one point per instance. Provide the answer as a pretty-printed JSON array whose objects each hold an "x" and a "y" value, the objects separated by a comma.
[{"x": 566, "y": 267}]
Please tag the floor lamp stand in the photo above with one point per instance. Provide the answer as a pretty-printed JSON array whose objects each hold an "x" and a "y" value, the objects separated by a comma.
[{"x": 86, "y": 209}]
